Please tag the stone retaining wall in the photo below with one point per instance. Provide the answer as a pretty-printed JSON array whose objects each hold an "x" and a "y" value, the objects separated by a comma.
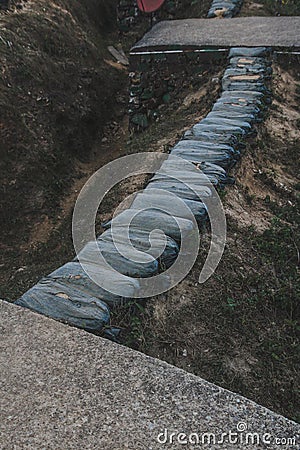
[{"x": 155, "y": 78}]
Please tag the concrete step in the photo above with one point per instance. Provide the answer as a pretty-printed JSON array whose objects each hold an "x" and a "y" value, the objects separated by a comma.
[
  {"x": 63, "y": 388},
  {"x": 278, "y": 32}
]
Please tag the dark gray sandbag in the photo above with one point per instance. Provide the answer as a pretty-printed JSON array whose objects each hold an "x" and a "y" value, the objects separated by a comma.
[
  {"x": 237, "y": 107},
  {"x": 250, "y": 61},
  {"x": 190, "y": 144},
  {"x": 233, "y": 114},
  {"x": 217, "y": 171},
  {"x": 152, "y": 219},
  {"x": 245, "y": 86},
  {"x": 261, "y": 98},
  {"x": 230, "y": 82},
  {"x": 176, "y": 166},
  {"x": 205, "y": 149},
  {"x": 263, "y": 70},
  {"x": 135, "y": 264},
  {"x": 223, "y": 8},
  {"x": 182, "y": 190},
  {"x": 219, "y": 157},
  {"x": 249, "y": 51},
  {"x": 182, "y": 170},
  {"x": 214, "y": 119},
  {"x": 187, "y": 177},
  {"x": 217, "y": 11},
  {"x": 226, "y": 2},
  {"x": 149, "y": 198},
  {"x": 248, "y": 95},
  {"x": 253, "y": 73},
  {"x": 227, "y": 7},
  {"x": 234, "y": 98},
  {"x": 65, "y": 303},
  {"x": 218, "y": 129},
  {"x": 72, "y": 274},
  {"x": 164, "y": 250},
  {"x": 211, "y": 137}
]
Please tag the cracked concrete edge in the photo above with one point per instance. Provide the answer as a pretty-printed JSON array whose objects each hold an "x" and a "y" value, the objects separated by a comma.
[
  {"x": 278, "y": 32},
  {"x": 63, "y": 388}
]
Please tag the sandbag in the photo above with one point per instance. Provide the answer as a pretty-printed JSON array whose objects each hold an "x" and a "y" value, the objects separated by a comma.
[
  {"x": 248, "y": 95},
  {"x": 197, "y": 179},
  {"x": 218, "y": 157},
  {"x": 217, "y": 171},
  {"x": 149, "y": 198},
  {"x": 65, "y": 303},
  {"x": 254, "y": 61},
  {"x": 229, "y": 85},
  {"x": 140, "y": 240},
  {"x": 257, "y": 98},
  {"x": 197, "y": 144},
  {"x": 216, "y": 121},
  {"x": 220, "y": 10},
  {"x": 224, "y": 8},
  {"x": 249, "y": 51},
  {"x": 216, "y": 174},
  {"x": 237, "y": 107},
  {"x": 206, "y": 137},
  {"x": 146, "y": 266},
  {"x": 152, "y": 219},
  {"x": 72, "y": 274},
  {"x": 252, "y": 72},
  {"x": 234, "y": 115},
  {"x": 211, "y": 173},
  {"x": 185, "y": 191},
  {"x": 218, "y": 129}
]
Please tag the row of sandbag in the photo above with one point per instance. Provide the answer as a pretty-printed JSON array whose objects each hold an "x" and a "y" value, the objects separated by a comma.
[
  {"x": 224, "y": 8},
  {"x": 218, "y": 138},
  {"x": 209, "y": 150}
]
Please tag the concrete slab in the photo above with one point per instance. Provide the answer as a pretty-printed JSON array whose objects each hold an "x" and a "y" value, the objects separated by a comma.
[
  {"x": 278, "y": 32},
  {"x": 62, "y": 388}
]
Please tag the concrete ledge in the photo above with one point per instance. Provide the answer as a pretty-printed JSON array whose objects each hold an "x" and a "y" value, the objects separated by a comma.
[
  {"x": 278, "y": 32},
  {"x": 62, "y": 388}
]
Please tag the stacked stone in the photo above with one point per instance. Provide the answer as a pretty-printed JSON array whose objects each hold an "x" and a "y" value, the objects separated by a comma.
[
  {"x": 151, "y": 85},
  {"x": 224, "y": 8},
  {"x": 156, "y": 77},
  {"x": 206, "y": 153}
]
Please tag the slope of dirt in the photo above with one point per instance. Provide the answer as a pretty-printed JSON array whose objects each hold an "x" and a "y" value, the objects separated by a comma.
[
  {"x": 56, "y": 94},
  {"x": 63, "y": 103},
  {"x": 49, "y": 244},
  {"x": 239, "y": 329}
]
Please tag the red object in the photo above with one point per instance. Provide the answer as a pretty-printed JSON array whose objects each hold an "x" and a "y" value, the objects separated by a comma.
[{"x": 149, "y": 6}]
